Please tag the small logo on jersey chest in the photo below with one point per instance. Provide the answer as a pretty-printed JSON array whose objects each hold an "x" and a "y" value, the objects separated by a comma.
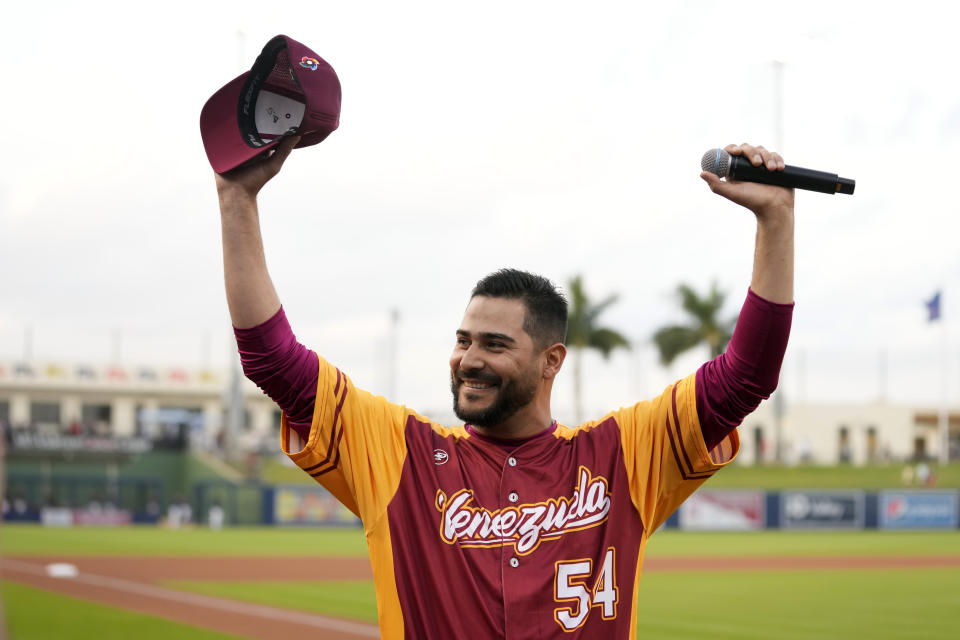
[{"x": 440, "y": 456}]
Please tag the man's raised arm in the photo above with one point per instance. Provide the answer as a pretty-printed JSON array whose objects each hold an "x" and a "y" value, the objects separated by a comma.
[
  {"x": 269, "y": 352},
  {"x": 773, "y": 208},
  {"x": 251, "y": 296},
  {"x": 732, "y": 385}
]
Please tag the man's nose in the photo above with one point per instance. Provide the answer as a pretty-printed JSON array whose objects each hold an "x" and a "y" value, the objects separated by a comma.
[{"x": 471, "y": 360}]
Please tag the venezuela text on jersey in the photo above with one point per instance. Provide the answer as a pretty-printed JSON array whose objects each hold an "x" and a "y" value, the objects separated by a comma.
[{"x": 524, "y": 525}]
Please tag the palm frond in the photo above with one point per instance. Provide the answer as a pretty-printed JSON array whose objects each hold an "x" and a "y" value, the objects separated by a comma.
[
  {"x": 705, "y": 325},
  {"x": 582, "y": 329},
  {"x": 606, "y": 340},
  {"x": 673, "y": 340}
]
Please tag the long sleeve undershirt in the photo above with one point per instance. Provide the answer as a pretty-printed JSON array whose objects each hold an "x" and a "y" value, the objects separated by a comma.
[
  {"x": 728, "y": 388},
  {"x": 732, "y": 385}
]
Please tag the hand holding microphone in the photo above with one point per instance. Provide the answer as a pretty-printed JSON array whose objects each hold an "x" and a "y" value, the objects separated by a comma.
[
  {"x": 773, "y": 206},
  {"x": 746, "y": 164},
  {"x": 765, "y": 201}
]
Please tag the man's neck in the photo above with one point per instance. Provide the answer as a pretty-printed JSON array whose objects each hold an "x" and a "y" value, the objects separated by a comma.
[{"x": 525, "y": 423}]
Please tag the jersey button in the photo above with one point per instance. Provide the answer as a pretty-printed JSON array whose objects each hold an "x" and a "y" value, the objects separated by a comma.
[
  {"x": 512, "y": 461},
  {"x": 513, "y": 497},
  {"x": 514, "y": 563}
]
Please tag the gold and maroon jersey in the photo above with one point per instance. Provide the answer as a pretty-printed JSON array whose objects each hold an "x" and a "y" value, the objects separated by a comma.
[{"x": 471, "y": 539}]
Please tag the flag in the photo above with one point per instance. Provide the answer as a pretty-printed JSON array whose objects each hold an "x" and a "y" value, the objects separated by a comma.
[{"x": 933, "y": 307}]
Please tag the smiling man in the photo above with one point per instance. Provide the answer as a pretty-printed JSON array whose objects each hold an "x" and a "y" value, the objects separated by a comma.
[
  {"x": 509, "y": 349},
  {"x": 510, "y": 525}
]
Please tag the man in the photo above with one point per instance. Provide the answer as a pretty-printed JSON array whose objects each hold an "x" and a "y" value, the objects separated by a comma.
[{"x": 510, "y": 526}]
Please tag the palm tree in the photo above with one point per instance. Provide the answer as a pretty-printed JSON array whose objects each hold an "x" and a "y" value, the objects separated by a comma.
[
  {"x": 583, "y": 332},
  {"x": 705, "y": 327}
]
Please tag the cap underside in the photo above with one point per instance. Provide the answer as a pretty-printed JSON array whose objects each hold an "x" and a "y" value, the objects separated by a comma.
[{"x": 255, "y": 110}]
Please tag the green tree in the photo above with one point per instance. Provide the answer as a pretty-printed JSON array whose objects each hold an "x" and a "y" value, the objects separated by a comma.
[
  {"x": 584, "y": 332},
  {"x": 705, "y": 326}
]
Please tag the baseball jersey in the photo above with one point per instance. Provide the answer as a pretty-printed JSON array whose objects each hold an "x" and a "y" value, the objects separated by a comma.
[{"x": 469, "y": 538}]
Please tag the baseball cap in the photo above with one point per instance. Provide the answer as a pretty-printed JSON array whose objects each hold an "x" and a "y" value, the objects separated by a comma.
[{"x": 290, "y": 90}]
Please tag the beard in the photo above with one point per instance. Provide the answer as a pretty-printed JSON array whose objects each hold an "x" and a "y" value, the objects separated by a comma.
[{"x": 512, "y": 396}]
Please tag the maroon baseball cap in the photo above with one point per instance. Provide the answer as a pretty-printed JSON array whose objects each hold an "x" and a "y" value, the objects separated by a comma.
[{"x": 290, "y": 90}]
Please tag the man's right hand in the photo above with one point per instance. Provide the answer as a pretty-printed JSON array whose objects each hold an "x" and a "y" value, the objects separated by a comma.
[
  {"x": 246, "y": 181},
  {"x": 250, "y": 293}
]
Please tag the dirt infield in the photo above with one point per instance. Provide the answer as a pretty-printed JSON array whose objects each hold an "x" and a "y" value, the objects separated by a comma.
[{"x": 130, "y": 583}]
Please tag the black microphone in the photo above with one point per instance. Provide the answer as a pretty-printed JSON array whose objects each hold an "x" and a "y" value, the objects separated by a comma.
[{"x": 721, "y": 163}]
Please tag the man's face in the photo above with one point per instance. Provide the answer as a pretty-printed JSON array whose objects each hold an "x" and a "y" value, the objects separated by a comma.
[{"x": 494, "y": 367}]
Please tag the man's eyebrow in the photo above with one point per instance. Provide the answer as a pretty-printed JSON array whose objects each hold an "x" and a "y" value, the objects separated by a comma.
[{"x": 487, "y": 335}]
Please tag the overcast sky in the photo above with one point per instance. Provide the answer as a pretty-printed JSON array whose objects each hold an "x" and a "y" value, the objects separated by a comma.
[{"x": 558, "y": 137}]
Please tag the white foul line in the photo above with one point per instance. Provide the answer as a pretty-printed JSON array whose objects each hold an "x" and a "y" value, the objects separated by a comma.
[{"x": 210, "y": 602}]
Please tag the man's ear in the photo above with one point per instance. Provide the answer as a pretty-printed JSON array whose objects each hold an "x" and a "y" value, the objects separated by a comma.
[{"x": 553, "y": 357}]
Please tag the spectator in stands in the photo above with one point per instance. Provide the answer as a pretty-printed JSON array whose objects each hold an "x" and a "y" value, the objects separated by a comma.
[
  {"x": 179, "y": 513},
  {"x": 215, "y": 516},
  {"x": 20, "y": 506},
  {"x": 906, "y": 476},
  {"x": 174, "y": 518},
  {"x": 186, "y": 512},
  {"x": 152, "y": 507}
]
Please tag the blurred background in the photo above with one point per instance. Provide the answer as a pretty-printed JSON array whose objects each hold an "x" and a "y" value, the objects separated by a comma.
[{"x": 559, "y": 137}]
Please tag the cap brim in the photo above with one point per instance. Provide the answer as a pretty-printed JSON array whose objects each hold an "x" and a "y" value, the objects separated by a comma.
[{"x": 220, "y": 130}]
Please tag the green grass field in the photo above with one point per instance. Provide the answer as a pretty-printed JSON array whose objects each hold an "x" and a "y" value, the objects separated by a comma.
[
  {"x": 34, "y": 614},
  {"x": 869, "y": 478},
  {"x": 354, "y": 599},
  {"x": 903, "y": 604},
  {"x": 909, "y": 603},
  {"x": 16, "y": 539}
]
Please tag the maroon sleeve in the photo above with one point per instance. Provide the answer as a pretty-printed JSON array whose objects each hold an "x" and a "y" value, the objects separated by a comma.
[
  {"x": 282, "y": 367},
  {"x": 733, "y": 384}
]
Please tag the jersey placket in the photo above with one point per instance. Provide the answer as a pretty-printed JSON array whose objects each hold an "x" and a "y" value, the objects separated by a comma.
[
  {"x": 509, "y": 562},
  {"x": 514, "y": 568}
]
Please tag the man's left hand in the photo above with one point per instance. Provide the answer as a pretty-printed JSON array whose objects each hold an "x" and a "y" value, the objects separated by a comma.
[{"x": 764, "y": 200}]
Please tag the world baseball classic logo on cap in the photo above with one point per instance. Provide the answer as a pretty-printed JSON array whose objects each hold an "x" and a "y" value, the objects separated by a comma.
[{"x": 239, "y": 122}]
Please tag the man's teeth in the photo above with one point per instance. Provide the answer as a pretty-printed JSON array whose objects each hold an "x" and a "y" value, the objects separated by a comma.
[{"x": 477, "y": 385}]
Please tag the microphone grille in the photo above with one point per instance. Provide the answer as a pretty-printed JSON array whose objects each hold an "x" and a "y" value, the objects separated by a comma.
[{"x": 716, "y": 161}]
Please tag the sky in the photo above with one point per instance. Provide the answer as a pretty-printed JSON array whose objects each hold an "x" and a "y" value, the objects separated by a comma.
[{"x": 559, "y": 137}]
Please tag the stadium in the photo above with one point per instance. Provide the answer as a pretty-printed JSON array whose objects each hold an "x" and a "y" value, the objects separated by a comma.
[
  {"x": 145, "y": 489},
  {"x": 116, "y": 477}
]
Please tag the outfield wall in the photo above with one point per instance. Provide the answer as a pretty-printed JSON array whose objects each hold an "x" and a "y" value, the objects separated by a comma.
[
  {"x": 818, "y": 509},
  {"x": 251, "y": 504}
]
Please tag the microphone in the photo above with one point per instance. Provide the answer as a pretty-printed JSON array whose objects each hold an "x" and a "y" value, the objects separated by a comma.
[{"x": 721, "y": 163}]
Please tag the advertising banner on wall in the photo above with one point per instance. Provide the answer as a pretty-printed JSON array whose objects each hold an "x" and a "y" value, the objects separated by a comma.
[
  {"x": 310, "y": 506},
  {"x": 822, "y": 509},
  {"x": 723, "y": 511},
  {"x": 66, "y": 517},
  {"x": 918, "y": 509}
]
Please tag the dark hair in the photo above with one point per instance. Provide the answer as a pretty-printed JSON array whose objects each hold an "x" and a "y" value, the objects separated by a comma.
[{"x": 546, "y": 317}]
